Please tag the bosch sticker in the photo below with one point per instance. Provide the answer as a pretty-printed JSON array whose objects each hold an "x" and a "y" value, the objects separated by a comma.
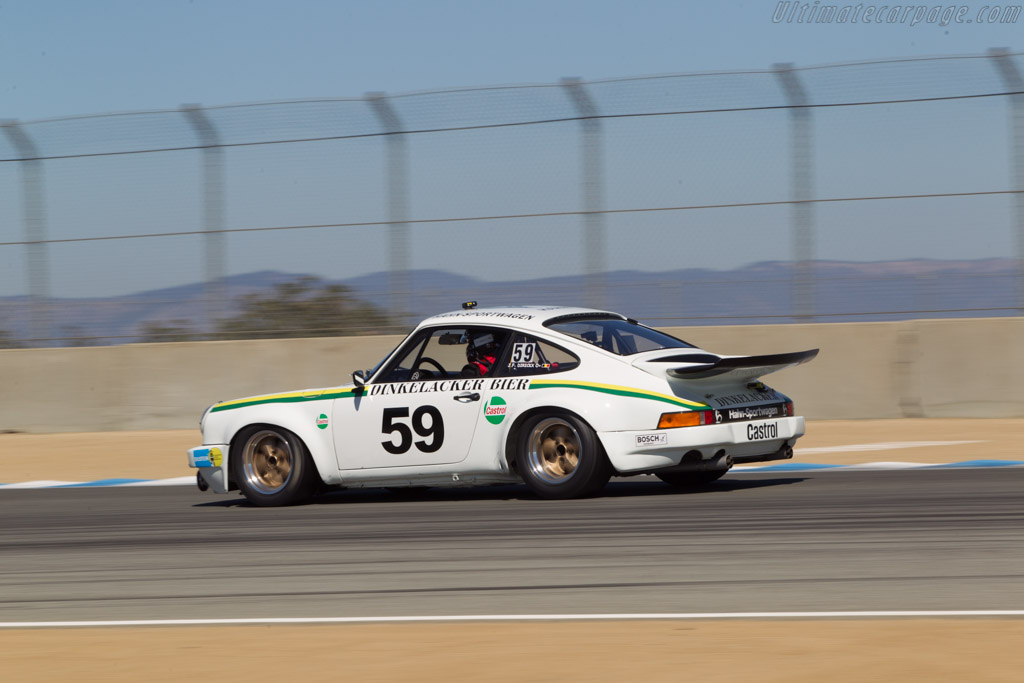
[{"x": 655, "y": 439}]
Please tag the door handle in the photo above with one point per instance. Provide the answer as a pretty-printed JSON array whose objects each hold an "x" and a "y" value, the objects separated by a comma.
[{"x": 466, "y": 398}]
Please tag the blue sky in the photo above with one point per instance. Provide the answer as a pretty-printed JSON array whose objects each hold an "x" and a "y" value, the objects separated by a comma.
[{"x": 68, "y": 58}]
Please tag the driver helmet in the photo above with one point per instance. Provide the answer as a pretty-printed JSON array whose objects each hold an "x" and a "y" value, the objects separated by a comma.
[{"x": 481, "y": 345}]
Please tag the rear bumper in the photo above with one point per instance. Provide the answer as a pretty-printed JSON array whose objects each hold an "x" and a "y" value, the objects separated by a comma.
[
  {"x": 754, "y": 441},
  {"x": 212, "y": 463},
  {"x": 784, "y": 453}
]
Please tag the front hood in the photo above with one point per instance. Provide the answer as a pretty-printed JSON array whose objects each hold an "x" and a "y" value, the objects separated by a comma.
[{"x": 287, "y": 397}]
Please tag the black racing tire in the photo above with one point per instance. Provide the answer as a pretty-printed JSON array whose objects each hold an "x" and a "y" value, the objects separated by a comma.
[
  {"x": 559, "y": 456},
  {"x": 690, "y": 479},
  {"x": 272, "y": 466}
]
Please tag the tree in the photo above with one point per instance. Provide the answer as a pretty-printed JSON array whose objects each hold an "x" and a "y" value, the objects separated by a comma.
[
  {"x": 177, "y": 330},
  {"x": 303, "y": 308},
  {"x": 73, "y": 335},
  {"x": 7, "y": 342}
]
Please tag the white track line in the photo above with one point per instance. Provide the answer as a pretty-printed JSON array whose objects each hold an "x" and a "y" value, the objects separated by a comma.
[
  {"x": 887, "y": 466},
  {"x": 38, "y": 484},
  {"x": 884, "y": 446},
  {"x": 521, "y": 617},
  {"x": 795, "y": 466},
  {"x": 52, "y": 483},
  {"x": 174, "y": 481}
]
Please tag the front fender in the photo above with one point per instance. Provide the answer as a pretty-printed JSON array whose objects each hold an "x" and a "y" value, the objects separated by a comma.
[{"x": 308, "y": 420}]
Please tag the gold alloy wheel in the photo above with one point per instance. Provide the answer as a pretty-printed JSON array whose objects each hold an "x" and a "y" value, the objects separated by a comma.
[
  {"x": 267, "y": 462},
  {"x": 553, "y": 450}
]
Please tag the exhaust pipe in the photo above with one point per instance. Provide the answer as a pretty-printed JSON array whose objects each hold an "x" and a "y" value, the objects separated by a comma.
[
  {"x": 720, "y": 462},
  {"x": 784, "y": 453},
  {"x": 695, "y": 462}
]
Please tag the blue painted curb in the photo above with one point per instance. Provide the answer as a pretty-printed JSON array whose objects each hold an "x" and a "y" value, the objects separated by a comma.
[{"x": 100, "y": 482}]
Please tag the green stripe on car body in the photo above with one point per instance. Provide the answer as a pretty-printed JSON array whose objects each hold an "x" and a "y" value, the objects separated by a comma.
[
  {"x": 611, "y": 389},
  {"x": 291, "y": 397},
  {"x": 614, "y": 390}
]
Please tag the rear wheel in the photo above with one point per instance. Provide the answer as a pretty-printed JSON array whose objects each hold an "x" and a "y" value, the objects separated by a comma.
[
  {"x": 559, "y": 456},
  {"x": 690, "y": 479},
  {"x": 272, "y": 467}
]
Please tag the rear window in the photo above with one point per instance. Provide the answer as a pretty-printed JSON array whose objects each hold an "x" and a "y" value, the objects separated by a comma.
[{"x": 622, "y": 337}]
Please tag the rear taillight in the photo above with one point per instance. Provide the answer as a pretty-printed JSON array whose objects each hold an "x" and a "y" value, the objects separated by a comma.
[
  {"x": 789, "y": 409},
  {"x": 691, "y": 418}
]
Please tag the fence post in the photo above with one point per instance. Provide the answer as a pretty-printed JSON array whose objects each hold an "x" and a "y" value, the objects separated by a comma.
[
  {"x": 592, "y": 190},
  {"x": 1011, "y": 76},
  {"x": 34, "y": 218},
  {"x": 213, "y": 215},
  {"x": 399, "y": 293},
  {"x": 801, "y": 138}
]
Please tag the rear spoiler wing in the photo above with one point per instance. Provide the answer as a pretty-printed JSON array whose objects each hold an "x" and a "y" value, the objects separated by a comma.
[{"x": 742, "y": 367}]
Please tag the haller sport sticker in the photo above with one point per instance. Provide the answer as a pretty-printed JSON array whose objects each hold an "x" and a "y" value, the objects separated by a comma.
[
  {"x": 656, "y": 439},
  {"x": 495, "y": 410}
]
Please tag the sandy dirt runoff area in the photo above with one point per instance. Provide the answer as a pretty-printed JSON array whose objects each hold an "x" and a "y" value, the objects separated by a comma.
[
  {"x": 161, "y": 454},
  {"x": 800, "y": 651}
]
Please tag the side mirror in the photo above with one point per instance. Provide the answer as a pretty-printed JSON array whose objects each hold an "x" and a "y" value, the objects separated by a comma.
[{"x": 359, "y": 379}]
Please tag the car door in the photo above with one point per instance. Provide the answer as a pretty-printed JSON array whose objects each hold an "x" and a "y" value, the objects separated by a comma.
[{"x": 419, "y": 410}]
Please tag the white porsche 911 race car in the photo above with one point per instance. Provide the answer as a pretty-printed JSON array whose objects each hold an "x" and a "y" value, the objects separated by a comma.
[{"x": 557, "y": 398}]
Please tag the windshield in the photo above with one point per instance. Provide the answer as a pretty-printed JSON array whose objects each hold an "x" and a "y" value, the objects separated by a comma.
[
  {"x": 370, "y": 373},
  {"x": 622, "y": 337}
]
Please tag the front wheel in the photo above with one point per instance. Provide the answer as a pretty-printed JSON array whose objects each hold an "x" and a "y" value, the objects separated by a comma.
[
  {"x": 559, "y": 456},
  {"x": 272, "y": 467}
]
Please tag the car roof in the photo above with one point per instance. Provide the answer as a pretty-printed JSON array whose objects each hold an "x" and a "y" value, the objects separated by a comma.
[{"x": 520, "y": 317}]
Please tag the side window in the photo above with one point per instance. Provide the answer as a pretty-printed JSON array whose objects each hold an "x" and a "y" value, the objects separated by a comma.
[
  {"x": 531, "y": 356},
  {"x": 447, "y": 353}
]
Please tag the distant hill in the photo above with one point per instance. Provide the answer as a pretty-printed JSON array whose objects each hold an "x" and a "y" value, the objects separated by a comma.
[{"x": 757, "y": 293}]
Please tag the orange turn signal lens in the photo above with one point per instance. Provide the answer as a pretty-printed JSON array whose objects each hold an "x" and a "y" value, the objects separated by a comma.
[{"x": 692, "y": 418}]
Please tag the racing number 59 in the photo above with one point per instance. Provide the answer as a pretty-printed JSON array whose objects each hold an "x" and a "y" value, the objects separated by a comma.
[
  {"x": 434, "y": 431},
  {"x": 523, "y": 352}
]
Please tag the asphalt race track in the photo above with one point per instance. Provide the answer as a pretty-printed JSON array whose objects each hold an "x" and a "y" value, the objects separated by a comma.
[{"x": 874, "y": 540}]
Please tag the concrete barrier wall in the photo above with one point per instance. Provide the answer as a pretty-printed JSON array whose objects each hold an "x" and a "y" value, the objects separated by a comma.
[
  {"x": 921, "y": 368},
  {"x": 916, "y": 368},
  {"x": 165, "y": 386}
]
